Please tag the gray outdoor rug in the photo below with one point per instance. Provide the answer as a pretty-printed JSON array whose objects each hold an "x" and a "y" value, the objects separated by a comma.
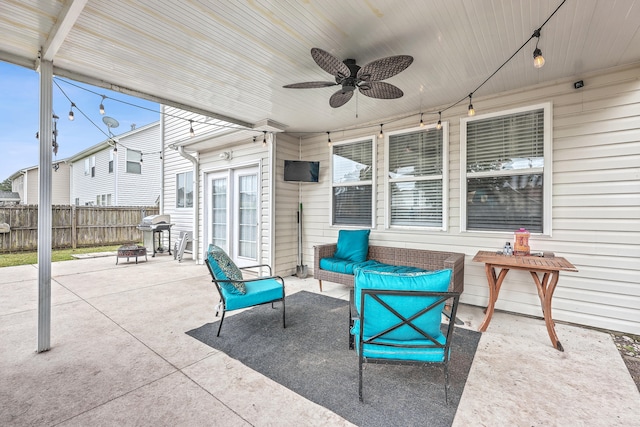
[{"x": 314, "y": 360}]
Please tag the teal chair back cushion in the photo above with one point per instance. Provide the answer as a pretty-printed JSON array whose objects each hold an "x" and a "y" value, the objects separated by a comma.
[
  {"x": 353, "y": 245},
  {"x": 378, "y": 318},
  {"x": 225, "y": 269}
]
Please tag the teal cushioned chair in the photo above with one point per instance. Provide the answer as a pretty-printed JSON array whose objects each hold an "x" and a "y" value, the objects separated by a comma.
[
  {"x": 237, "y": 292},
  {"x": 398, "y": 319}
]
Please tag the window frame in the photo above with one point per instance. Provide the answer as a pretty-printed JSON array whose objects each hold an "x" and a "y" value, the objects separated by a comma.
[
  {"x": 547, "y": 170},
  {"x": 372, "y": 140},
  {"x": 444, "y": 177},
  {"x": 138, "y": 162},
  {"x": 185, "y": 174}
]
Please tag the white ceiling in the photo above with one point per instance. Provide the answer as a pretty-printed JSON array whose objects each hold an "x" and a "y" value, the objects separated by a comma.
[{"x": 230, "y": 59}]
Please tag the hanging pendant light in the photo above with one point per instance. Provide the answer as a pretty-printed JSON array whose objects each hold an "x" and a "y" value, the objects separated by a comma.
[
  {"x": 421, "y": 121},
  {"x": 439, "y": 125}
]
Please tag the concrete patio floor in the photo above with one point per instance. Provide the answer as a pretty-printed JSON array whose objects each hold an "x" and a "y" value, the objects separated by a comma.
[{"x": 120, "y": 356}]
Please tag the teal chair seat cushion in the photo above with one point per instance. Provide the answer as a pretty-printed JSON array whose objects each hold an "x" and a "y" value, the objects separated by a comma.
[
  {"x": 392, "y": 351},
  {"x": 225, "y": 269},
  {"x": 257, "y": 292},
  {"x": 353, "y": 245}
]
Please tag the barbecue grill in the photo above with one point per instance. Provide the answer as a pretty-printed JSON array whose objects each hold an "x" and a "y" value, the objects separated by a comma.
[{"x": 153, "y": 226}]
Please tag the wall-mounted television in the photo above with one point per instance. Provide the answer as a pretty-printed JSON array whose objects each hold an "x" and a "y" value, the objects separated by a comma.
[{"x": 301, "y": 171}]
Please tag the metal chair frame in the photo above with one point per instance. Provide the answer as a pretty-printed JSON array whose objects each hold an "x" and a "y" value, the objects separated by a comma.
[
  {"x": 441, "y": 297},
  {"x": 222, "y": 305}
]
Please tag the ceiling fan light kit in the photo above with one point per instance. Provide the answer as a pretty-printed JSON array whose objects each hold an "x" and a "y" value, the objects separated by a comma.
[{"x": 349, "y": 75}]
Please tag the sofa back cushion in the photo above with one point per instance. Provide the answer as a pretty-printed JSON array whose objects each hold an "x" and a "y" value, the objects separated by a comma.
[{"x": 353, "y": 245}]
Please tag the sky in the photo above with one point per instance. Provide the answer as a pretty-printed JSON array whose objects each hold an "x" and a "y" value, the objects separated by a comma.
[{"x": 20, "y": 111}]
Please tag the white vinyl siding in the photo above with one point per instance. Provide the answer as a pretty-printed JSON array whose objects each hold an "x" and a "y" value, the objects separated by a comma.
[
  {"x": 417, "y": 170},
  {"x": 125, "y": 189},
  {"x": 595, "y": 194},
  {"x": 246, "y": 154}
]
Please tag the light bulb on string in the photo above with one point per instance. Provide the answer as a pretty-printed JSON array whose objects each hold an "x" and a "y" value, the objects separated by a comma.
[
  {"x": 472, "y": 111},
  {"x": 329, "y": 139},
  {"x": 381, "y": 134},
  {"x": 102, "y": 105},
  {"x": 71, "y": 116},
  {"x": 192, "y": 133},
  {"x": 264, "y": 138},
  {"x": 538, "y": 59},
  {"x": 421, "y": 121},
  {"x": 439, "y": 125}
]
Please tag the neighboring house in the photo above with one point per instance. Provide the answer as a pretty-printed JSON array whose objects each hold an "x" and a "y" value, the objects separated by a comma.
[
  {"x": 25, "y": 182},
  {"x": 124, "y": 170},
  {"x": 9, "y": 198},
  {"x": 557, "y": 160}
]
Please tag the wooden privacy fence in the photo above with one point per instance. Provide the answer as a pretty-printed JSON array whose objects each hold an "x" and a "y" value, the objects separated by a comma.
[{"x": 73, "y": 226}]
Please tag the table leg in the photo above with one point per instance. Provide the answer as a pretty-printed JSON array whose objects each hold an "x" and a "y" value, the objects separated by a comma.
[
  {"x": 546, "y": 287},
  {"x": 495, "y": 282}
]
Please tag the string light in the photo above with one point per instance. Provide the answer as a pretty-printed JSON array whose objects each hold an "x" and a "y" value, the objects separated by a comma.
[
  {"x": 102, "y": 105},
  {"x": 141, "y": 157},
  {"x": 191, "y": 131},
  {"x": 329, "y": 139},
  {"x": 264, "y": 138},
  {"x": 538, "y": 59},
  {"x": 538, "y": 62}
]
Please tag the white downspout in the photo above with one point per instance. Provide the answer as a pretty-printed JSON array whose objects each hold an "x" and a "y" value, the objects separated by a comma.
[{"x": 195, "y": 253}]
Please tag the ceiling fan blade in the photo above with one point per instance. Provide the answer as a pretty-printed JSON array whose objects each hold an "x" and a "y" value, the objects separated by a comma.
[
  {"x": 330, "y": 63},
  {"x": 340, "y": 98},
  {"x": 380, "y": 90},
  {"x": 309, "y": 85},
  {"x": 384, "y": 68}
]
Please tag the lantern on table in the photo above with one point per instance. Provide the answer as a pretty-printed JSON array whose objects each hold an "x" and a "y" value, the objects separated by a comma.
[{"x": 521, "y": 246}]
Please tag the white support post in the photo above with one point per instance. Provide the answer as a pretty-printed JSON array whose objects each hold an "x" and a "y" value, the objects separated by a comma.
[{"x": 44, "y": 206}]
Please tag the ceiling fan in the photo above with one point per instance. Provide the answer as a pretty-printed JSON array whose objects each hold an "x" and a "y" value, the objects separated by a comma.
[{"x": 351, "y": 76}]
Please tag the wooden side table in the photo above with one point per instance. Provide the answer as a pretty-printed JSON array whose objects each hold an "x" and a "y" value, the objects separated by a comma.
[
  {"x": 545, "y": 272},
  {"x": 130, "y": 252}
]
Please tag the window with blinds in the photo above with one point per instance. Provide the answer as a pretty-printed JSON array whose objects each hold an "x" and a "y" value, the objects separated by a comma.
[
  {"x": 505, "y": 170},
  {"x": 416, "y": 170},
  {"x": 352, "y": 178}
]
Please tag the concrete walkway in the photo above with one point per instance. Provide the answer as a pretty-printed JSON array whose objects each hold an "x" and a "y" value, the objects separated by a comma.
[{"x": 120, "y": 356}]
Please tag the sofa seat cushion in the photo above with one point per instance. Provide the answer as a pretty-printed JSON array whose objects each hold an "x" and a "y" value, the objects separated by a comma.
[
  {"x": 338, "y": 265},
  {"x": 257, "y": 291}
]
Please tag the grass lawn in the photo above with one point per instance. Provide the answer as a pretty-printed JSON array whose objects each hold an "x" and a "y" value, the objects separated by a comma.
[{"x": 22, "y": 258}]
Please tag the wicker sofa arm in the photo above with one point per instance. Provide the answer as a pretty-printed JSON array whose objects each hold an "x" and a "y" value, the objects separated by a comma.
[
  {"x": 456, "y": 263},
  {"x": 322, "y": 251}
]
